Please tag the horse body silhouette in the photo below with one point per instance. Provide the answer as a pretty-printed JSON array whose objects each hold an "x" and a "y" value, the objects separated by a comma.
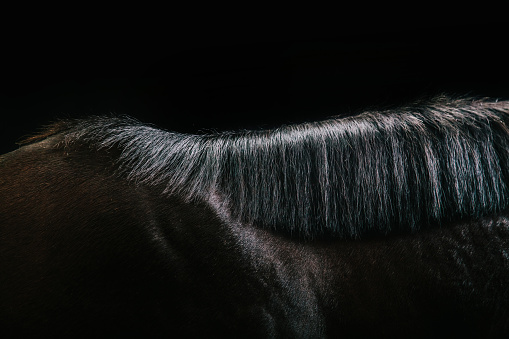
[{"x": 387, "y": 223}]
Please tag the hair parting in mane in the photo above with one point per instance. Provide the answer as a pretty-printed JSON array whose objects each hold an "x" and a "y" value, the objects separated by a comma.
[{"x": 376, "y": 172}]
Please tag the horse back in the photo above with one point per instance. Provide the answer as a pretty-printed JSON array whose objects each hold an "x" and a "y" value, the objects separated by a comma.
[{"x": 85, "y": 252}]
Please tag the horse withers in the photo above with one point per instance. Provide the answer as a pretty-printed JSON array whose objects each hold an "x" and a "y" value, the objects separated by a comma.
[{"x": 388, "y": 223}]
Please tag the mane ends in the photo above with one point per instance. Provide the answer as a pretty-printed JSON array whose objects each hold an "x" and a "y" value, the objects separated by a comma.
[{"x": 374, "y": 173}]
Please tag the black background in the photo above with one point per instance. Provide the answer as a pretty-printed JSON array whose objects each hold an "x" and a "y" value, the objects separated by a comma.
[{"x": 213, "y": 80}]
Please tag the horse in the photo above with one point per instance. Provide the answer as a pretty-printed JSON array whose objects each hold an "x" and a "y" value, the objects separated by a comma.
[{"x": 387, "y": 223}]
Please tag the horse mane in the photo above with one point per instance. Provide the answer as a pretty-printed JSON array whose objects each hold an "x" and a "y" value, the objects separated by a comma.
[{"x": 395, "y": 170}]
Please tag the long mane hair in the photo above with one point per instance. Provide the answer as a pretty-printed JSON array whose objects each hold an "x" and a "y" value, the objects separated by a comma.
[{"x": 376, "y": 172}]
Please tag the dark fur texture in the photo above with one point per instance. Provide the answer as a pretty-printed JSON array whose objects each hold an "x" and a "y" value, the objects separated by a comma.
[
  {"x": 374, "y": 173},
  {"x": 112, "y": 228}
]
